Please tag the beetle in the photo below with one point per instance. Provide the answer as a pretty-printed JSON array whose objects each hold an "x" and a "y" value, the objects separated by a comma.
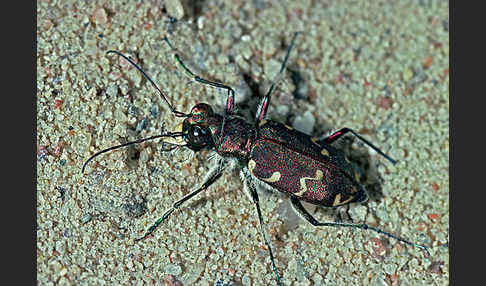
[{"x": 269, "y": 154}]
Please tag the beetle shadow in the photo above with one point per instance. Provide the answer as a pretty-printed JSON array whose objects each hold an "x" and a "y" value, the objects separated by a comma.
[
  {"x": 367, "y": 168},
  {"x": 360, "y": 157}
]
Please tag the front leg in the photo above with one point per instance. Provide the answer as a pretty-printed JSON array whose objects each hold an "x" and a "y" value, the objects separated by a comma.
[
  {"x": 250, "y": 188},
  {"x": 231, "y": 93},
  {"x": 213, "y": 175}
]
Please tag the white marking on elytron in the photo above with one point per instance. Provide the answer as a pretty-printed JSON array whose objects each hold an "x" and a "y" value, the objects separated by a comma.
[
  {"x": 251, "y": 166},
  {"x": 356, "y": 177},
  {"x": 325, "y": 152},
  {"x": 261, "y": 123},
  {"x": 289, "y": 127},
  {"x": 303, "y": 187},
  {"x": 274, "y": 178},
  {"x": 337, "y": 200},
  {"x": 346, "y": 158},
  {"x": 314, "y": 140}
]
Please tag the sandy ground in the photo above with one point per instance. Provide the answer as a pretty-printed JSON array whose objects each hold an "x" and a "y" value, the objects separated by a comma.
[{"x": 379, "y": 67}]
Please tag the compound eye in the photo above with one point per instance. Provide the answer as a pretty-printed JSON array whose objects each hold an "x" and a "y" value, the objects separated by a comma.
[{"x": 198, "y": 136}]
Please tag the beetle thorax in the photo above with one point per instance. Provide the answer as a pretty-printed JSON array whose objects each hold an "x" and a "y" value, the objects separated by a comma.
[
  {"x": 229, "y": 135},
  {"x": 235, "y": 138}
]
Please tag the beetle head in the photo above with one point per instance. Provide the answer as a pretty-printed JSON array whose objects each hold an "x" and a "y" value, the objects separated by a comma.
[{"x": 198, "y": 127}]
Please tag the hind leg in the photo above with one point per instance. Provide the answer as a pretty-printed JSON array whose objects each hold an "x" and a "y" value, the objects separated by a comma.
[
  {"x": 299, "y": 208},
  {"x": 338, "y": 134}
]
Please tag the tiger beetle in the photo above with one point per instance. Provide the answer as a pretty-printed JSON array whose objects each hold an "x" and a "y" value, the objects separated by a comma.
[{"x": 270, "y": 155}]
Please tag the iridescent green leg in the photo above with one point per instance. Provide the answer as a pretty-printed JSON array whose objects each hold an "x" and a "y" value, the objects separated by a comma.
[
  {"x": 213, "y": 175},
  {"x": 299, "y": 208},
  {"x": 231, "y": 93}
]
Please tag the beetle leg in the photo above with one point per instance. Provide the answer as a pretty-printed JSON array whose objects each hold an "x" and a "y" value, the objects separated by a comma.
[
  {"x": 299, "y": 208},
  {"x": 231, "y": 93},
  {"x": 263, "y": 106},
  {"x": 251, "y": 189},
  {"x": 213, "y": 175},
  {"x": 343, "y": 211},
  {"x": 338, "y": 134}
]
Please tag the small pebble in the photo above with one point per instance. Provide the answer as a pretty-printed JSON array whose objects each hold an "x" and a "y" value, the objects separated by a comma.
[
  {"x": 63, "y": 272},
  {"x": 48, "y": 24},
  {"x": 41, "y": 152},
  {"x": 378, "y": 247},
  {"x": 200, "y": 22},
  {"x": 384, "y": 102},
  {"x": 173, "y": 269},
  {"x": 112, "y": 90},
  {"x": 86, "y": 218},
  {"x": 67, "y": 233},
  {"x": 358, "y": 213},
  {"x": 174, "y": 8},
  {"x": 100, "y": 17},
  {"x": 407, "y": 74},
  {"x": 154, "y": 110},
  {"x": 142, "y": 124},
  {"x": 436, "y": 267},
  {"x": 378, "y": 281},
  {"x": 305, "y": 122},
  {"x": 271, "y": 68},
  {"x": 170, "y": 280},
  {"x": 58, "y": 149},
  {"x": 222, "y": 282},
  {"x": 246, "y": 280},
  {"x": 245, "y": 38}
]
